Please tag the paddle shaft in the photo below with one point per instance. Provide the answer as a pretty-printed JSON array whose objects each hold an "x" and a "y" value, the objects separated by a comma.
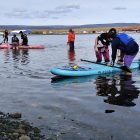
[
  {"x": 98, "y": 63},
  {"x": 125, "y": 68}
]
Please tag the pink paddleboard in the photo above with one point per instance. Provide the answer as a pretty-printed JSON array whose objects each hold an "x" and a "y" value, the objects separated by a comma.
[
  {"x": 5, "y": 46},
  {"x": 32, "y": 47},
  {"x": 8, "y": 46}
]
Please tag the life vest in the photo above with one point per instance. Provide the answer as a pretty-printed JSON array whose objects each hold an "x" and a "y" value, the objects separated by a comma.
[
  {"x": 71, "y": 37},
  {"x": 125, "y": 39}
]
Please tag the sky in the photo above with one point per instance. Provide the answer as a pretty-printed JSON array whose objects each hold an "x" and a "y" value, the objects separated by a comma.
[{"x": 68, "y": 12}]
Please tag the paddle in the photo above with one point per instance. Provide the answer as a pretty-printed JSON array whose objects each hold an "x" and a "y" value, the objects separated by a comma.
[{"x": 124, "y": 68}]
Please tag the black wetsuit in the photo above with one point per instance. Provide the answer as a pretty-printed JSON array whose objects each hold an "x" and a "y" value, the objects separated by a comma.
[
  {"x": 104, "y": 39},
  {"x": 5, "y": 35},
  {"x": 24, "y": 39}
]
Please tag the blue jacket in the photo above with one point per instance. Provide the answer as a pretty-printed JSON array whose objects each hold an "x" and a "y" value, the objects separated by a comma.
[{"x": 125, "y": 43}]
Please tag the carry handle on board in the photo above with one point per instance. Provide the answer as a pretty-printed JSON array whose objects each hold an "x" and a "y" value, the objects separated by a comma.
[{"x": 124, "y": 68}]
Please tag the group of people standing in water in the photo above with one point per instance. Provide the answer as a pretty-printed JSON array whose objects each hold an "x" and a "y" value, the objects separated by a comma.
[
  {"x": 125, "y": 44},
  {"x": 15, "y": 41}
]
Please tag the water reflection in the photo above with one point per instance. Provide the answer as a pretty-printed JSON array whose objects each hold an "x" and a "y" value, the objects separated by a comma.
[
  {"x": 61, "y": 81},
  {"x": 119, "y": 91},
  {"x": 71, "y": 56},
  {"x": 15, "y": 55},
  {"x": 25, "y": 57},
  {"x": 21, "y": 56},
  {"x": 6, "y": 55}
]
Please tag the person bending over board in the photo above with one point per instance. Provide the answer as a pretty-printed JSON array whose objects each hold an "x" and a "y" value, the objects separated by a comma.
[
  {"x": 101, "y": 47},
  {"x": 125, "y": 43}
]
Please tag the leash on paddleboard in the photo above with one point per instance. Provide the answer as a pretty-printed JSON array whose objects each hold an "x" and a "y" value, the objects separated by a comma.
[{"x": 124, "y": 68}]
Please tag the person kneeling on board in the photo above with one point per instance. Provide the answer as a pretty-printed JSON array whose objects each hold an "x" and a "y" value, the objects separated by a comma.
[
  {"x": 125, "y": 43},
  {"x": 101, "y": 47},
  {"x": 15, "y": 42},
  {"x": 24, "y": 39}
]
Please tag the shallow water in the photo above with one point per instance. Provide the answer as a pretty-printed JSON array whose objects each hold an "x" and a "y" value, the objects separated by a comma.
[{"x": 94, "y": 107}]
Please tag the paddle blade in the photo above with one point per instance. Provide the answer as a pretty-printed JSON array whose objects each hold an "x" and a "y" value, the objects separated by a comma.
[{"x": 125, "y": 68}]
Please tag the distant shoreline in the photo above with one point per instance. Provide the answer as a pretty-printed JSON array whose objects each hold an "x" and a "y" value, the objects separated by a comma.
[{"x": 81, "y": 29}]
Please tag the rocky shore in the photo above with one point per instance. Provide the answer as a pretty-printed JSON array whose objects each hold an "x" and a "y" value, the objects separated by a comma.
[{"x": 12, "y": 127}]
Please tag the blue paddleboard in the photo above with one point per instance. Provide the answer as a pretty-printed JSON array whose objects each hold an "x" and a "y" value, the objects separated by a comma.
[{"x": 88, "y": 69}]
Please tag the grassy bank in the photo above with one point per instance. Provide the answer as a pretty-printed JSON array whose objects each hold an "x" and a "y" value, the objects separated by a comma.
[{"x": 82, "y": 30}]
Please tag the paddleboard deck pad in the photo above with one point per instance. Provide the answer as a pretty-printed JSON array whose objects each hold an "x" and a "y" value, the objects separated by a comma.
[{"x": 88, "y": 69}]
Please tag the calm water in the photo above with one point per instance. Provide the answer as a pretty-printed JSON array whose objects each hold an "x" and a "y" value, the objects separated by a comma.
[{"x": 103, "y": 107}]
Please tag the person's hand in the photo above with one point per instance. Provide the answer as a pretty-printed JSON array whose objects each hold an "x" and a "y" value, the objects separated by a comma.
[
  {"x": 110, "y": 64},
  {"x": 96, "y": 49}
]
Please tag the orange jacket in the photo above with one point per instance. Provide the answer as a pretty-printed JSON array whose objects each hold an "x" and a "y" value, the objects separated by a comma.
[{"x": 71, "y": 36}]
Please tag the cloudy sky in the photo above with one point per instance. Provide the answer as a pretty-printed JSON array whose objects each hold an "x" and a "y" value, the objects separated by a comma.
[{"x": 68, "y": 12}]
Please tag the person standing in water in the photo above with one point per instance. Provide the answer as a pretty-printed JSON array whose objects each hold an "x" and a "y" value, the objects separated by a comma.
[
  {"x": 5, "y": 36},
  {"x": 101, "y": 47},
  {"x": 71, "y": 39}
]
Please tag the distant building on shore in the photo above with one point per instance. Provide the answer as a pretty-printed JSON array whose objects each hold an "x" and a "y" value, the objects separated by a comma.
[{"x": 130, "y": 29}]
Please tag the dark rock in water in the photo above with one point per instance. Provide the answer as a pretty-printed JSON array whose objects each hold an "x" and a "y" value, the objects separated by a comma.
[
  {"x": 109, "y": 111},
  {"x": 16, "y": 115},
  {"x": 40, "y": 117}
]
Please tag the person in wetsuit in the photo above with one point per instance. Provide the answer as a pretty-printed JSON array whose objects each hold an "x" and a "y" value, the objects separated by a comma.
[
  {"x": 24, "y": 39},
  {"x": 101, "y": 47},
  {"x": 5, "y": 36}
]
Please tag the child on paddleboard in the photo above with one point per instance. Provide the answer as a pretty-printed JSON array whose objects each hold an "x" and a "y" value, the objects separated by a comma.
[{"x": 15, "y": 42}]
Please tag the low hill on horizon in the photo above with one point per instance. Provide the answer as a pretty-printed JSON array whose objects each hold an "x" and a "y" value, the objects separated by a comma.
[{"x": 21, "y": 27}]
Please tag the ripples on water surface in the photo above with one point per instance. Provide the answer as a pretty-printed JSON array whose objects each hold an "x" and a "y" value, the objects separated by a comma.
[{"x": 97, "y": 107}]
